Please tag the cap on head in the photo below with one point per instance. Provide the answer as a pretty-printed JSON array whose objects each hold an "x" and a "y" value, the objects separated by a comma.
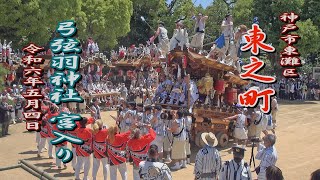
[
  {"x": 139, "y": 105},
  {"x": 238, "y": 151}
]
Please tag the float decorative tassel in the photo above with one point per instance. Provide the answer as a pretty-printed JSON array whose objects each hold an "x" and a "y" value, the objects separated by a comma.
[
  {"x": 179, "y": 72},
  {"x": 184, "y": 63}
]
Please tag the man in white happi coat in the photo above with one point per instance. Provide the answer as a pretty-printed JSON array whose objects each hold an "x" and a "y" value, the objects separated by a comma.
[
  {"x": 236, "y": 169},
  {"x": 165, "y": 89},
  {"x": 95, "y": 109},
  {"x": 258, "y": 121},
  {"x": 123, "y": 115},
  {"x": 152, "y": 169},
  {"x": 159, "y": 127},
  {"x": 188, "y": 118},
  {"x": 194, "y": 93},
  {"x": 162, "y": 35},
  {"x": 147, "y": 117},
  {"x": 123, "y": 91},
  {"x": 227, "y": 31},
  {"x": 255, "y": 127},
  {"x": 197, "y": 40},
  {"x": 239, "y": 133},
  {"x": 208, "y": 160},
  {"x": 129, "y": 117},
  {"x": 179, "y": 154},
  {"x": 180, "y": 37},
  {"x": 168, "y": 137}
]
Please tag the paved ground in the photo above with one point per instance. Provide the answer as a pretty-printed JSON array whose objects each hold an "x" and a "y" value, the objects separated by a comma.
[{"x": 298, "y": 147}]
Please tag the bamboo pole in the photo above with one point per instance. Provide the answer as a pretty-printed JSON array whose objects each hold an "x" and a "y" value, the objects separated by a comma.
[
  {"x": 36, "y": 169},
  {"x": 10, "y": 167},
  {"x": 189, "y": 92}
]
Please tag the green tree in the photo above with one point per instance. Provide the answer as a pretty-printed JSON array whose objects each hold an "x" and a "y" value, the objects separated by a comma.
[
  {"x": 242, "y": 12},
  {"x": 216, "y": 12},
  {"x": 104, "y": 20},
  {"x": 308, "y": 45},
  {"x": 140, "y": 32},
  {"x": 3, "y": 73},
  {"x": 153, "y": 12},
  {"x": 310, "y": 37},
  {"x": 33, "y": 19},
  {"x": 310, "y": 10},
  {"x": 268, "y": 12},
  {"x": 181, "y": 8}
]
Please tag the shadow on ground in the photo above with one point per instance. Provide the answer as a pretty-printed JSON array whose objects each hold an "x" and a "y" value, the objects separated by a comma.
[
  {"x": 64, "y": 175},
  {"x": 33, "y": 159},
  {"x": 44, "y": 164},
  {"x": 29, "y": 152}
]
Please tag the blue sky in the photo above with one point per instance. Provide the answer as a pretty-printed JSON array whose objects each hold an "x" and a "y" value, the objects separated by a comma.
[{"x": 204, "y": 3}]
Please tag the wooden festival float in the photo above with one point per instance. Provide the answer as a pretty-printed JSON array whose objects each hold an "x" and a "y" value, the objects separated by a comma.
[
  {"x": 94, "y": 61},
  {"x": 133, "y": 66},
  {"x": 218, "y": 86}
]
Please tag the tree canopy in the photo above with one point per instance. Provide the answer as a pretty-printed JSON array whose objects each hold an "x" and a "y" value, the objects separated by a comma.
[{"x": 36, "y": 20}]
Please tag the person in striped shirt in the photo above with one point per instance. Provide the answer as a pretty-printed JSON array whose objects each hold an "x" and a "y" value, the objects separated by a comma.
[
  {"x": 159, "y": 127},
  {"x": 152, "y": 169},
  {"x": 267, "y": 154},
  {"x": 237, "y": 168},
  {"x": 208, "y": 160}
]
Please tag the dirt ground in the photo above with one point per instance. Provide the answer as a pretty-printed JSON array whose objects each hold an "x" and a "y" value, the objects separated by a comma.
[{"x": 297, "y": 144}]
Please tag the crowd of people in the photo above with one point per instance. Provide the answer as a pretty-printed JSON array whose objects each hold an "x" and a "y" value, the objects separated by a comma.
[
  {"x": 11, "y": 108},
  {"x": 148, "y": 136},
  {"x": 303, "y": 88}
]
